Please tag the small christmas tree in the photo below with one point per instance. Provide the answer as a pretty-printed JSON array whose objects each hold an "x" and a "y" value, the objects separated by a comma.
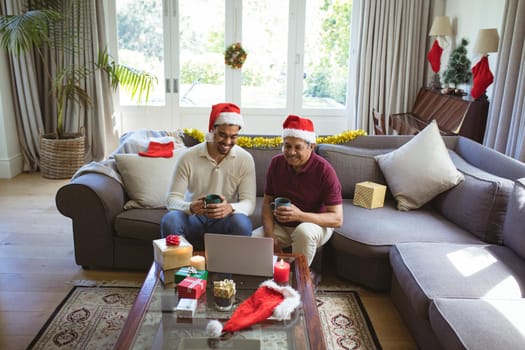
[{"x": 458, "y": 70}]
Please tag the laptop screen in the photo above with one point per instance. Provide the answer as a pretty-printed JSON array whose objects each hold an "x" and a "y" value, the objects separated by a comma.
[{"x": 239, "y": 254}]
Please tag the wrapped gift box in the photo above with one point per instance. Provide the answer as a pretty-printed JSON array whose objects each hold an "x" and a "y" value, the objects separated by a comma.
[
  {"x": 186, "y": 307},
  {"x": 369, "y": 194},
  {"x": 189, "y": 271},
  {"x": 191, "y": 287},
  {"x": 172, "y": 256},
  {"x": 167, "y": 276}
]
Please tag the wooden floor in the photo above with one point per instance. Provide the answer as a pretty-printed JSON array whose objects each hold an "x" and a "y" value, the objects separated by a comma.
[{"x": 37, "y": 266}]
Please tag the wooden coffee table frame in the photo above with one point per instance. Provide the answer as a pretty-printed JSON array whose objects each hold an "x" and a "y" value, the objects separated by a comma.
[{"x": 303, "y": 282}]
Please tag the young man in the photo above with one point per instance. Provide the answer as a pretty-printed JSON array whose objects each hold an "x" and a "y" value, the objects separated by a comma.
[
  {"x": 311, "y": 184},
  {"x": 216, "y": 166}
]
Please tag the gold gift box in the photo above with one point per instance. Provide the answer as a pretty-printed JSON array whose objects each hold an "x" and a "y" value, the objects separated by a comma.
[
  {"x": 224, "y": 289},
  {"x": 369, "y": 194},
  {"x": 172, "y": 256}
]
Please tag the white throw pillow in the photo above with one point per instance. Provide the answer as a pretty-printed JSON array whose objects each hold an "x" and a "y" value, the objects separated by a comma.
[
  {"x": 147, "y": 180},
  {"x": 420, "y": 169}
]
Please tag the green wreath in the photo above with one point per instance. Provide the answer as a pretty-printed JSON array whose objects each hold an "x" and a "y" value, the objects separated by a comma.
[{"x": 235, "y": 56}]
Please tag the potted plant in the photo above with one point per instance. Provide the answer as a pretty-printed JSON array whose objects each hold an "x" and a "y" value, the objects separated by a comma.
[
  {"x": 45, "y": 29},
  {"x": 458, "y": 69}
]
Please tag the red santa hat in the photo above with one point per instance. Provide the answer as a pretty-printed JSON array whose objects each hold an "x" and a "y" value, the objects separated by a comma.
[
  {"x": 225, "y": 113},
  {"x": 159, "y": 149},
  {"x": 303, "y": 128},
  {"x": 270, "y": 299}
]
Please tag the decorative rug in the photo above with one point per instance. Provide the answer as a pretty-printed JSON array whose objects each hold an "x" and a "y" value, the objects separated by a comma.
[
  {"x": 88, "y": 318},
  {"x": 92, "y": 317},
  {"x": 345, "y": 322}
]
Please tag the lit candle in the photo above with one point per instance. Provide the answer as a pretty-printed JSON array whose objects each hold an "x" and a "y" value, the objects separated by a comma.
[
  {"x": 198, "y": 262},
  {"x": 281, "y": 272}
]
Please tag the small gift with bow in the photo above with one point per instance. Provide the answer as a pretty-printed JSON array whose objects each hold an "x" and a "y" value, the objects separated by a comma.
[
  {"x": 191, "y": 287},
  {"x": 172, "y": 252},
  {"x": 190, "y": 271}
]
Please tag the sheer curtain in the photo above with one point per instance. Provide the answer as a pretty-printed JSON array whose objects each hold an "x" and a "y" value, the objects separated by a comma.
[
  {"x": 391, "y": 57},
  {"x": 35, "y": 109},
  {"x": 506, "y": 123}
]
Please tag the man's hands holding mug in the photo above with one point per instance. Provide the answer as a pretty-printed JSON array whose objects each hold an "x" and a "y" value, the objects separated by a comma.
[
  {"x": 213, "y": 206},
  {"x": 284, "y": 210}
]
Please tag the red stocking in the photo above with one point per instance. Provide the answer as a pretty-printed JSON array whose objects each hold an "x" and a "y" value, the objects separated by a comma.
[
  {"x": 482, "y": 77},
  {"x": 434, "y": 56}
]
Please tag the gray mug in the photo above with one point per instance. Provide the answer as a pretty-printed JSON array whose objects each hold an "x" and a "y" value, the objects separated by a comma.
[{"x": 280, "y": 201}]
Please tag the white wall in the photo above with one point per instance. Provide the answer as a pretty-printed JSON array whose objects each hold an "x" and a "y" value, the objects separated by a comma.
[
  {"x": 11, "y": 162},
  {"x": 468, "y": 17}
]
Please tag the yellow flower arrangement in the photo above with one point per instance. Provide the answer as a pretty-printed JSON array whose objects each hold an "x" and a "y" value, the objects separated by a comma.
[{"x": 276, "y": 141}]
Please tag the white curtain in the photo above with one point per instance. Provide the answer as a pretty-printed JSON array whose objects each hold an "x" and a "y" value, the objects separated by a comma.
[
  {"x": 391, "y": 57},
  {"x": 506, "y": 124},
  {"x": 33, "y": 106},
  {"x": 28, "y": 113}
]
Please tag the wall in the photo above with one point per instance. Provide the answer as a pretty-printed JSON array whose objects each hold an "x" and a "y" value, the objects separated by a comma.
[
  {"x": 11, "y": 161},
  {"x": 469, "y": 16}
]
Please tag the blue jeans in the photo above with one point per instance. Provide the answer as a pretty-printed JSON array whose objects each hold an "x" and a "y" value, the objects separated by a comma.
[{"x": 193, "y": 227}]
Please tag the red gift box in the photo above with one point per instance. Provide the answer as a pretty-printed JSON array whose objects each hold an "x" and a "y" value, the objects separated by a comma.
[{"x": 191, "y": 287}]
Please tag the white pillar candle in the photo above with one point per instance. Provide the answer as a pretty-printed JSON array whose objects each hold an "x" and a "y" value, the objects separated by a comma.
[{"x": 198, "y": 262}]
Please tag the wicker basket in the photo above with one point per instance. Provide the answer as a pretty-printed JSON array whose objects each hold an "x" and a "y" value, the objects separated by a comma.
[{"x": 60, "y": 158}]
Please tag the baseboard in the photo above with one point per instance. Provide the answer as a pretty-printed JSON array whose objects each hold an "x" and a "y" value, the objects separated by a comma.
[{"x": 11, "y": 167}]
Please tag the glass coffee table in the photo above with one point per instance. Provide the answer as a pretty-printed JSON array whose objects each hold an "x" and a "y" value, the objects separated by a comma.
[{"x": 153, "y": 324}]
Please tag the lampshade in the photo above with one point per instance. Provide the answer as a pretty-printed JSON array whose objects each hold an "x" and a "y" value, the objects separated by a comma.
[
  {"x": 486, "y": 41},
  {"x": 441, "y": 26}
]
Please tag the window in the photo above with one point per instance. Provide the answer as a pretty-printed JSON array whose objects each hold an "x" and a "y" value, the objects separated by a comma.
[{"x": 298, "y": 53}]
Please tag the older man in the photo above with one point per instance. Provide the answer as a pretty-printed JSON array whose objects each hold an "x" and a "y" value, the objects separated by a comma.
[
  {"x": 311, "y": 184},
  {"x": 216, "y": 166}
]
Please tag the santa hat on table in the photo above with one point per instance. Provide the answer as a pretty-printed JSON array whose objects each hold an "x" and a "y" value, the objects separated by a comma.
[
  {"x": 303, "y": 128},
  {"x": 270, "y": 299},
  {"x": 224, "y": 113},
  {"x": 482, "y": 77}
]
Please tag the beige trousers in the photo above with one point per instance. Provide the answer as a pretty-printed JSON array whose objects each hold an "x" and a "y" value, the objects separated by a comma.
[{"x": 304, "y": 239}]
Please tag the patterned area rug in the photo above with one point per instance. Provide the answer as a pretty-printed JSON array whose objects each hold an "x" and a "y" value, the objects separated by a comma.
[
  {"x": 345, "y": 322},
  {"x": 92, "y": 317}
]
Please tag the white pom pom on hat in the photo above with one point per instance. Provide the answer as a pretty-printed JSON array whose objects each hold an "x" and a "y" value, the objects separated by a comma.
[{"x": 270, "y": 299}]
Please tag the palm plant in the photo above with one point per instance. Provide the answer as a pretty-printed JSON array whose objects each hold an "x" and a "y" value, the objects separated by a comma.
[{"x": 45, "y": 28}]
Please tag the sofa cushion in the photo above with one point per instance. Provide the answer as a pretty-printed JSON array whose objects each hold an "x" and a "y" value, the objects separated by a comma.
[
  {"x": 514, "y": 232},
  {"x": 491, "y": 323},
  {"x": 431, "y": 270},
  {"x": 140, "y": 224},
  {"x": 385, "y": 226},
  {"x": 353, "y": 165},
  {"x": 262, "y": 157},
  {"x": 147, "y": 180},
  {"x": 478, "y": 204},
  {"x": 420, "y": 169}
]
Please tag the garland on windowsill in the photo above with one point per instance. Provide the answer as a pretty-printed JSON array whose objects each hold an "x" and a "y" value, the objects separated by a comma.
[
  {"x": 234, "y": 56},
  {"x": 276, "y": 141}
]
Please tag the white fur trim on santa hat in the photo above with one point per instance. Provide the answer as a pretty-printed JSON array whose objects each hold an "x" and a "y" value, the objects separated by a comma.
[
  {"x": 291, "y": 300},
  {"x": 214, "y": 329},
  {"x": 229, "y": 118},
  {"x": 308, "y": 136}
]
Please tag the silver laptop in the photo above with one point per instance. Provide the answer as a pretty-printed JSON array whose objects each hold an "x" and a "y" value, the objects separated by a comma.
[{"x": 239, "y": 254}]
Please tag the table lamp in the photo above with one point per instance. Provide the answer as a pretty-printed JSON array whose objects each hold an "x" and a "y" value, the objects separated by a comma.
[
  {"x": 440, "y": 29},
  {"x": 486, "y": 41}
]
